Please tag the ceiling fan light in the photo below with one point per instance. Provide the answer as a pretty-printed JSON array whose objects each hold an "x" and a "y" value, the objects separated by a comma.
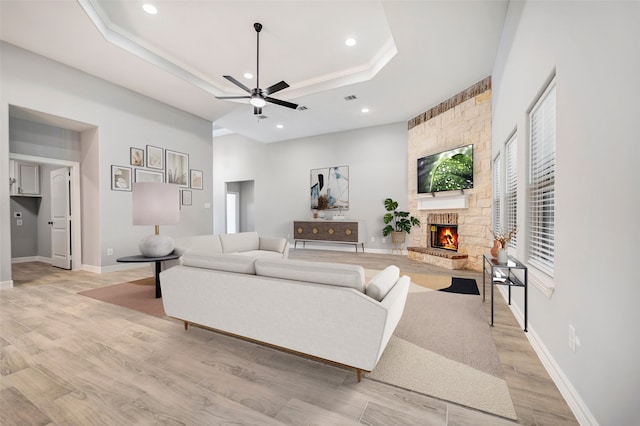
[
  {"x": 150, "y": 9},
  {"x": 257, "y": 102}
]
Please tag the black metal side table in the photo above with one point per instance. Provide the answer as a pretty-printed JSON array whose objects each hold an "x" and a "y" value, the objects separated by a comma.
[
  {"x": 502, "y": 274},
  {"x": 142, "y": 259}
]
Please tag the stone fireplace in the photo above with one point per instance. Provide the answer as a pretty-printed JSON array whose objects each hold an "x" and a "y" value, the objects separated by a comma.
[{"x": 455, "y": 231}]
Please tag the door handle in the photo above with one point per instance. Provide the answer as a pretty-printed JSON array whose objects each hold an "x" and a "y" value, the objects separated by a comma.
[{"x": 50, "y": 223}]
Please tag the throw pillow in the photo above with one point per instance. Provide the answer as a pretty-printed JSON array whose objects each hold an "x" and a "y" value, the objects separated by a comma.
[{"x": 383, "y": 282}]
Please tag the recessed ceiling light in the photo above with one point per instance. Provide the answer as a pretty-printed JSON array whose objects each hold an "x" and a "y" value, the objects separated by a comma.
[
  {"x": 279, "y": 126},
  {"x": 248, "y": 75},
  {"x": 365, "y": 110},
  {"x": 350, "y": 42},
  {"x": 150, "y": 9}
]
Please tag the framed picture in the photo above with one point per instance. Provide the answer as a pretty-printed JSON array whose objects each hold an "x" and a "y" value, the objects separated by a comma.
[
  {"x": 120, "y": 178},
  {"x": 177, "y": 170},
  {"x": 196, "y": 179},
  {"x": 333, "y": 183},
  {"x": 149, "y": 176},
  {"x": 155, "y": 157},
  {"x": 186, "y": 197},
  {"x": 136, "y": 157}
]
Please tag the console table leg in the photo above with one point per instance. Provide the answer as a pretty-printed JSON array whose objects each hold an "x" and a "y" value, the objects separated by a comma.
[{"x": 158, "y": 290}]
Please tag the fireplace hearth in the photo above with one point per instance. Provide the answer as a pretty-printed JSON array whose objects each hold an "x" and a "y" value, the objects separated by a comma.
[{"x": 444, "y": 237}]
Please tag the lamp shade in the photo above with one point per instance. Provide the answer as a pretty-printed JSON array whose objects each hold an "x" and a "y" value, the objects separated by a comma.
[{"x": 155, "y": 203}]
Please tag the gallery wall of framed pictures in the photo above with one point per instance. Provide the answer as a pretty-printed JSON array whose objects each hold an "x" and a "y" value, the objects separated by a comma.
[{"x": 156, "y": 164}]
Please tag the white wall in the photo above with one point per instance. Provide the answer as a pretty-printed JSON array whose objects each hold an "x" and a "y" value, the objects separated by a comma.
[
  {"x": 124, "y": 119},
  {"x": 377, "y": 160},
  {"x": 592, "y": 46}
]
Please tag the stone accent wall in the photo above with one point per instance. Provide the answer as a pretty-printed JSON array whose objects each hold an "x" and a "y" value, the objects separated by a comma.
[{"x": 461, "y": 120}]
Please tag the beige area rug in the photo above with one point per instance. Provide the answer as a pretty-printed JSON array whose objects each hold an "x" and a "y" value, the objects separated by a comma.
[
  {"x": 443, "y": 348},
  {"x": 426, "y": 281},
  {"x": 139, "y": 295}
]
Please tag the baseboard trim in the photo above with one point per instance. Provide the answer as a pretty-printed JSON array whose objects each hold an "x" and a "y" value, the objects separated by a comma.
[
  {"x": 31, "y": 259},
  {"x": 6, "y": 284},
  {"x": 569, "y": 393}
]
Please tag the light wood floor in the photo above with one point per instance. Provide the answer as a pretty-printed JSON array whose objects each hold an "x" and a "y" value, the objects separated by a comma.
[{"x": 70, "y": 360}]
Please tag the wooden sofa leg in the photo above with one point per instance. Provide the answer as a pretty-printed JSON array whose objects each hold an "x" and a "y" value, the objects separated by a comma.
[
  {"x": 359, "y": 373},
  {"x": 186, "y": 325}
]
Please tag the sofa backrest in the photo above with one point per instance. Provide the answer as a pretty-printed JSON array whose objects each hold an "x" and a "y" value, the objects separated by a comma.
[
  {"x": 336, "y": 274},
  {"x": 239, "y": 242},
  {"x": 220, "y": 262},
  {"x": 198, "y": 243}
]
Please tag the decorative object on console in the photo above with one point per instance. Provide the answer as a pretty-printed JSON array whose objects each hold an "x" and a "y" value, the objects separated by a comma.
[
  {"x": 503, "y": 239},
  {"x": 332, "y": 182},
  {"x": 156, "y": 204},
  {"x": 495, "y": 248}
]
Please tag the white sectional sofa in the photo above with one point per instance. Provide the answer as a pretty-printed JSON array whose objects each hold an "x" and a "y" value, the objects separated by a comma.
[
  {"x": 324, "y": 310},
  {"x": 248, "y": 244}
]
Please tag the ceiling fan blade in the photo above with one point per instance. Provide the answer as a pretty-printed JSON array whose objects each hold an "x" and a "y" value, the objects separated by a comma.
[
  {"x": 233, "y": 97},
  {"x": 275, "y": 88},
  {"x": 281, "y": 103},
  {"x": 237, "y": 83}
]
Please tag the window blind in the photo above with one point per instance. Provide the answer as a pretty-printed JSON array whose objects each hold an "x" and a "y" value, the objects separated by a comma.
[
  {"x": 511, "y": 187},
  {"x": 542, "y": 181},
  {"x": 497, "y": 194}
]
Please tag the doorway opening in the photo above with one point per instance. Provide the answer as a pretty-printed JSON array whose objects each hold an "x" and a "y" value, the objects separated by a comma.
[{"x": 240, "y": 206}]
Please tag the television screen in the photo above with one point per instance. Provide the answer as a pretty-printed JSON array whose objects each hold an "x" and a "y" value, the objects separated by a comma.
[{"x": 446, "y": 171}]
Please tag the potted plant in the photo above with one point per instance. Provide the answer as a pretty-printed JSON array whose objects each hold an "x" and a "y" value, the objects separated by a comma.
[{"x": 398, "y": 223}]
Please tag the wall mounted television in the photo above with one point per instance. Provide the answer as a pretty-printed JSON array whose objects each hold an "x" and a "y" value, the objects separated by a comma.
[{"x": 450, "y": 170}]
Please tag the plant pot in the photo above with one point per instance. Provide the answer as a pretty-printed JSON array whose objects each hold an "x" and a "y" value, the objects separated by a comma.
[
  {"x": 398, "y": 238},
  {"x": 502, "y": 256}
]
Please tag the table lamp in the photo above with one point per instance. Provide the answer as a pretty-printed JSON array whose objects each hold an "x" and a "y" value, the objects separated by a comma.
[{"x": 156, "y": 204}]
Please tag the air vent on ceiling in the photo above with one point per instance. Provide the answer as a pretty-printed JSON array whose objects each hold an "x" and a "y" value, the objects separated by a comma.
[
  {"x": 350, "y": 97},
  {"x": 302, "y": 108}
]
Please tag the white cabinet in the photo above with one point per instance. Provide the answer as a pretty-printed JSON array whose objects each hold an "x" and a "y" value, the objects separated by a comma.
[{"x": 25, "y": 178}]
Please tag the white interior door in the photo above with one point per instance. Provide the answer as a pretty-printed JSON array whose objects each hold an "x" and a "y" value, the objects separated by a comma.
[
  {"x": 233, "y": 212},
  {"x": 60, "y": 218}
]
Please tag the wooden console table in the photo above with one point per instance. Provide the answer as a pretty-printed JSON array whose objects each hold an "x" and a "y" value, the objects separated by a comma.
[{"x": 329, "y": 231}]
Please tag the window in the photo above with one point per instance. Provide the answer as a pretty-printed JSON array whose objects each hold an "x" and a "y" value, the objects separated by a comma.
[
  {"x": 511, "y": 190},
  {"x": 497, "y": 195},
  {"x": 541, "y": 194}
]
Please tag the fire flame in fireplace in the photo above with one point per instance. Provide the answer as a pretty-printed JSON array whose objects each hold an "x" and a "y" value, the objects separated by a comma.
[{"x": 444, "y": 237}]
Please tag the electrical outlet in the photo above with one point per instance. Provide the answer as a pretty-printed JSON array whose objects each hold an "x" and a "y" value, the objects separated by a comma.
[
  {"x": 572, "y": 338},
  {"x": 109, "y": 252},
  {"x": 19, "y": 222}
]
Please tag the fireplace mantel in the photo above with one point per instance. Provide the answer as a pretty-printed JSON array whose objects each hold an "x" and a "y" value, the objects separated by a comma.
[{"x": 443, "y": 202}]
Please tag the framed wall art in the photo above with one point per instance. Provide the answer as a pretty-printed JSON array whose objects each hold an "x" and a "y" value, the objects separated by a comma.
[
  {"x": 121, "y": 178},
  {"x": 136, "y": 157},
  {"x": 332, "y": 182},
  {"x": 186, "y": 198},
  {"x": 149, "y": 176},
  {"x": 177, "y": 168},
  {"x": 196, "y": 179},
  {"x": 155, "y": 157}
]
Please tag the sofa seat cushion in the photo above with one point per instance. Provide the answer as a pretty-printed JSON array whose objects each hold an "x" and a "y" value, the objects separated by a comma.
[
  {"x": 341, "y": 275},
  {"x": 220, "y": 262},
  {"x": 383, "y": 282},
  {"x": 239, "y": 242}
]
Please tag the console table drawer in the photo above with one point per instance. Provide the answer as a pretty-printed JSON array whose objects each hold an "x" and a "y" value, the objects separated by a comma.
[{"x": 347, "y": 232}]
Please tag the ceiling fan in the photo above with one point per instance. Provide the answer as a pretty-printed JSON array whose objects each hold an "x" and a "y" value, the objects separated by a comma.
[{"x": 259, "y": 97}]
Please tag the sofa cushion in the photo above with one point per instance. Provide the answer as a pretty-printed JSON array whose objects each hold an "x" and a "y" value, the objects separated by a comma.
[
  {"x": 341, "y": 275},
  {"x": 383, "y": 282},
  {"x": 241, "y": 241},
  {"x": 220, "y": 262},
  {"x": 255, "y": 254},
  {"x": 272, "y": 244},
  {"x": 199, "y": 243}
]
